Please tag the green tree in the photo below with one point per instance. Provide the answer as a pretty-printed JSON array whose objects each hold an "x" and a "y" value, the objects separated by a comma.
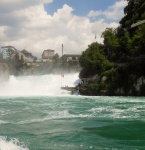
[
  {"x": 93, "y": 61},
  {"x": 56, "y": 57},
  {"x": 124, "y": 50},
  {"x": 74, "y": 58},
  {"x": 137, "y": 43},
  {"x": 134, "y": 12},
  {"x": 132, "y": 39},
  {"x": 111, "y": 43},
  {"x": 18, "y": 64},
  {"x": 124, "y": 44},
  {"x": 10, "y": 51}
]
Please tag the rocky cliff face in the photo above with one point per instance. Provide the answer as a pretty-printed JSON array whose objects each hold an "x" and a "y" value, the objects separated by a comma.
[
  {"x": 97, "y": 86},
  {"x": 4, "y": 72}
]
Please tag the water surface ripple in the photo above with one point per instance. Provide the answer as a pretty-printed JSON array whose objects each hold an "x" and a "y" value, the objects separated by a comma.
[{"x": 72, "y": 123}]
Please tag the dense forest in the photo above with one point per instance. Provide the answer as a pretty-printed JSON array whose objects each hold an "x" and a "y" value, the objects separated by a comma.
[{"x": 119, "y": 62}]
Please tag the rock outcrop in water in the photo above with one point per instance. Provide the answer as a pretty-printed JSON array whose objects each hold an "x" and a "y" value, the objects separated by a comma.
[
  {"x": 97, "y": 85},
  {"x": 4, "y": 72}
]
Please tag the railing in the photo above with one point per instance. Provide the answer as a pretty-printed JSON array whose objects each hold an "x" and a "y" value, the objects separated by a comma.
[{"x": 137, "y": 24}]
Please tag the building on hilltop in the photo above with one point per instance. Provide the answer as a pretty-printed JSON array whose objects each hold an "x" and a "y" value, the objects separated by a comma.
[
  {"x": 48, "y": 54},
  {"x": 7, "y": 51},
  {"x": 27, "y": 57}
]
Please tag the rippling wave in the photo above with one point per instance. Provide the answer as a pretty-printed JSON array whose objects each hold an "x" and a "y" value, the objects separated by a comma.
[
  {"x": 72, "y": 122},
  {"x": 36, "y": 115}
]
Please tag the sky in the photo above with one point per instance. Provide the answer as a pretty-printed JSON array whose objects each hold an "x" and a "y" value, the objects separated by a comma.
[{"x": 37, "y": 25}]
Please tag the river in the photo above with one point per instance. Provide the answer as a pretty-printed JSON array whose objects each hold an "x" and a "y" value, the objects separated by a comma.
[{"x": 35, "y": 114}]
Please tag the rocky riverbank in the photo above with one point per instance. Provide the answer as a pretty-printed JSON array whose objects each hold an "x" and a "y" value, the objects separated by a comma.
[{"x": 101, "y": 86}]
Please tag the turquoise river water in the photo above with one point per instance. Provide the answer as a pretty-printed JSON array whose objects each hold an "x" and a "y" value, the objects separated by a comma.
[{"x": 69, "y": 122}]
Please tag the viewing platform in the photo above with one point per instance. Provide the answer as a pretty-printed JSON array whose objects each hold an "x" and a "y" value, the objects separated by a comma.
[{"x": 71, "y": 89}]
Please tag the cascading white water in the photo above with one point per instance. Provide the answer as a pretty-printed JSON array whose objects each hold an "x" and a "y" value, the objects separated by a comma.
[
  {"x": 45, "y": 85},
  {"x": 12, "y": 144}
]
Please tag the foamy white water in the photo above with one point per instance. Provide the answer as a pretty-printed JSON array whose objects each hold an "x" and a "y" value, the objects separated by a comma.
[
  {"x": 45, "y": 85},
  {"x": 12, "y": 144}
]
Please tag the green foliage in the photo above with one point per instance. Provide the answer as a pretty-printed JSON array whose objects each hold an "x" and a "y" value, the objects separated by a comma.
[
  {"x": 121, "y": 58},
  {"x": 73, "y": 58},
  {"x": 94, "y": 89},
  {"x": 111, "y": 43},
  {"x": 133, "y": 13},
  {"x": 17, "y": 64},
  {"x": 124, "y": 41},
  {"x": 70, "y": 63},
  {"x": 56, "y": 57},
  {"x": 137, "y": 43},
  {"x": 10, "y": 51},
  {"x": 93, "y": 60}
]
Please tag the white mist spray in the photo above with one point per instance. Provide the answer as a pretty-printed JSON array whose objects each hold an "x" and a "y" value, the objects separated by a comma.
[{"x": 45, "y": 85}]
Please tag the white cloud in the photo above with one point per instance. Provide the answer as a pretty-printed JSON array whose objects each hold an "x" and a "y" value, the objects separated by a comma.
[
  {"x": 10, "y": 2},
  {"x": 95, "y": 13},
  {"x": 32, "y": 28},
  {"x": 114, "y": 12},
  {"x": 8, "y": 6}
]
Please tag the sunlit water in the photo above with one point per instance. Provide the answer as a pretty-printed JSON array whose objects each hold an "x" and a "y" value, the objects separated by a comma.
[{"x": 36, "y": 115}]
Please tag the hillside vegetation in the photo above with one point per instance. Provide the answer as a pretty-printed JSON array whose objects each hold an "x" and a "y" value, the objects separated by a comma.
[{"x": 119, "y": 62}]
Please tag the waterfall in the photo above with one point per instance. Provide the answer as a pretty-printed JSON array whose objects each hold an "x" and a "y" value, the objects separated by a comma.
[{"x": 45, "y": 85}]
